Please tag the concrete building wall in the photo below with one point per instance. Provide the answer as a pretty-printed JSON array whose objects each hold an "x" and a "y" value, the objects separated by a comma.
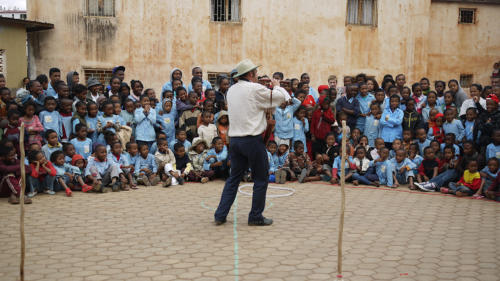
[
  {"x": 456, "y": 49},
  {"x": 151, "y": 37},
  {"x": 13, "y": 41}
]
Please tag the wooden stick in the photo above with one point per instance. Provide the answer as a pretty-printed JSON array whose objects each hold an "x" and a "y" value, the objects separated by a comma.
[
  {"x": 342, "y": 205},
  {"x": 21, "y": 199}
]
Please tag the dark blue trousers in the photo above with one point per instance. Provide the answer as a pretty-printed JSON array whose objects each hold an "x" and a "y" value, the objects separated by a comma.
[{"x": 246, "y": 152}]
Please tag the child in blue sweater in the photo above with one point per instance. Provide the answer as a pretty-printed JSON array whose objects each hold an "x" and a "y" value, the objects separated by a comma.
[
  {"x": 300, "y": 126},
  {"x": 372, "y": 122},
  {"x": 145, "y": 167},
  {"x": 145, "y": 118},
  {"x": 384, "y": 168},
  {"x": 403, "y": 169},
  {"x": 50, "y": 118},
  {"x": 82, "y": 144},
  {"x": 166, "y": 121},
  {"x": 493, "y": 149},
  {"x": 283, "y": 131},
  {"x": 217, "y": 159},
  {"x": 273, "y": 159}
]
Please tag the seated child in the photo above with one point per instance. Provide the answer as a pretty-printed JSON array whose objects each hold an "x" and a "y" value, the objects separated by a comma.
[
  {"x": 165, "y": 160},
  {"x": 449, "y": 140},
  {"x": 118, "y": 158},
  {"x": 217, "y": 159},
  {"x": 10, "y": 175},
  {"x": 384, "y": 169},
  {"x": 145, "y": 167},
  {"x": 373, "y": 154},
  {"x": 489, "y": 174},
  {"x": 52, "y": 144},
  {"x": 42, "y": 174},
  {"x": 361, "y": 165},
  {"x": 337, "y": 167},
  {"x": 469, "y": 184},
  {"x": 67, "y": 175},
  {"x": 197, "y": 155},
  {"x": 493, "y": 149},
  {"x": 280, "y": 175},
  {"x": 182, "y": 165},
  {"x": 100, "y": 172},
  {"x": 447, "y": 171},
  {"x": 493, "y": 191},
  {"x": 272, "y": 159},
  {"x": 69, "y": 151},
  {"x": 396, "y": 145},
  {"x": 299, "y": 165},
  {"x": 428, "y": 169},
  {"x": 422, "y": 140},
  {"x": 403, "y": 169}
]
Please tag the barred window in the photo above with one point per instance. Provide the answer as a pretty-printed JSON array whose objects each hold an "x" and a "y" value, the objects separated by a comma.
[
  {"x": 467, "y": 16},
  {"x": 100, "y": 8},
  {"x": 225, "y": 10},
  {"x": 466, "y": 80},
  {"x": 214, "y": 76},
  {"x": 102, "y": 74},
  {"x": 362, "y": 12}
]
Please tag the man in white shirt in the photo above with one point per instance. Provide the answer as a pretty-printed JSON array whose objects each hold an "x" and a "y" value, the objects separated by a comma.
[{"x": 247, "y": 102}]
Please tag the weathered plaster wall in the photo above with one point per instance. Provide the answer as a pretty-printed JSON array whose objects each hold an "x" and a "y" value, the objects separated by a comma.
[
  {"x": 151, "y": 37},
  {"x": 13, "y": 40},
  {"x": 463, "y": 48}
]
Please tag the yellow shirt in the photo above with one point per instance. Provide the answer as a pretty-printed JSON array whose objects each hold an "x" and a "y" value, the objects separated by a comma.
[{"x": 470, "y": 177}]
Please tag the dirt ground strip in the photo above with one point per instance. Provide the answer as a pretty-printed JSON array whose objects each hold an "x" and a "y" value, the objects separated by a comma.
[{"x": 160, "y": 233}]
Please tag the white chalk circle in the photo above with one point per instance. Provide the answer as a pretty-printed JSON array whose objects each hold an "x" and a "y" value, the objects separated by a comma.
[{"x": 290, "y": 191}]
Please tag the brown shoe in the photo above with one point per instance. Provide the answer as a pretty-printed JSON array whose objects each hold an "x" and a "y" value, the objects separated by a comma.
[
  {"x": 13, "y": 199},
  {"x": 27, "y": 200}
]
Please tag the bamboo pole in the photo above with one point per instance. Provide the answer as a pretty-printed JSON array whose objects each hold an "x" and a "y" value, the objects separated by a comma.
[
  {"x": 21, "y": 200},
  {"x": 342, "y": 205}
]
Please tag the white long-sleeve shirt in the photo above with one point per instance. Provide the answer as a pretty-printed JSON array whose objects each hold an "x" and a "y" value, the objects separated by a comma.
[{"x": 246, "y": 103}]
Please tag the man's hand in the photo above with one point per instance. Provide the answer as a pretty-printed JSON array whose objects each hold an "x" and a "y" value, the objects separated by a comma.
[{"x": 275, "y": 82}]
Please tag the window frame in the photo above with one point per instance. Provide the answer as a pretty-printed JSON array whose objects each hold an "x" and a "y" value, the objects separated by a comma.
[
  {"x": 227, "y": 8},
  {"x": 216, "y": 73},
  {"x": 464, "y": 77},
  {"x": 474, "y": 17},
  {"x": 3, "y": 69},
  {"x": 87, "y": 11},
  {"x": 360, "y": 12}
]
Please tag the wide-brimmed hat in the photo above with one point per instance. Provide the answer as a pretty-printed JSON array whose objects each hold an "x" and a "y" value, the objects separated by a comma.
[
  {"x": 197, "y": 141},
  {"x": 93, "y": 82},
  {"x": 245, "y": 66}
]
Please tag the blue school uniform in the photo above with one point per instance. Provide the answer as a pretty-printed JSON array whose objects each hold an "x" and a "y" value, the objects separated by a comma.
[
  {"x": 104, "y": 120},
  {"x": 426, "y": 110},
  {"x": 128, "y": 118},
  {"x": 384, "y": 172},
  {"x": 337, "y": 164},
  {"x": 282, "y": 159},
  {"x": 51, "y": 120},
  {"x": 148, "y": 162},
  {"x": 492, "y": 151},
  {"x": 144, "y": 130},
  {"x": 205, "y": 85},
  {"x": 364, "y": 108},
  {"x": 273, "y": 162},
  {"x": 454, "y": 127},
  {"x": 101, "y": 167},
  {"x": 391, "y": 128},
  {"x": 407, "y": 163},
  {"x": 469, "y": 131},
  {"x": 47, "y": 149},
  {"x": 92, "y": 124},
  {"x": 131, "y": 159},
  {"x": 84, "y": 148},
  {"x": 167, "y": 123},
  {"x": 122, "y": 161},
  {"x": 66, "y": 168},
  {"x": 371, "y": 131},
  {"x": 186, "y": 144},
  {"x": 423, "y": 145},
  {"x": 50, "y": 92},
  {"x": 417, "y": 161},
  {"x": 284, "y": 120},
  {"x": 220, "y": 156},
  {"x": 299, "y": 131}
]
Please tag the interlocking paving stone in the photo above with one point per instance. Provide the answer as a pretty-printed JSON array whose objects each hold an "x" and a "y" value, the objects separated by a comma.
[{"x": 159, "y": 233}]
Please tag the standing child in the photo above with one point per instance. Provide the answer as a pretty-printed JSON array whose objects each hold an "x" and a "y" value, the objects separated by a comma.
[
  {"x": 32, "y": 124},
  {"x": 127, "y": 115},
  {"x": 365, "y": 99},
  {"x": 300, "y": 126},
  {"x": 145, "y": 167},
  {"x": 67, "y": 175},
  {"x": 418, "y": 97},
  {"x": 217, "y": 159},
  {"x": 91, "y": 120},
  {"x": 321, "y": 124},
  {"x": 390, "y": 122},
  {"x": 403, "y": 169},
  {"x": 42, "y": 174},
  {"x": 349, "y": 105},
  {"x": 189, "y": 118},
  {"x": 272, "y": 159},
  {"x": 431, "y": 104},
  {"x": 407, "y": 140},
  {"x": 372, "y": 123},
  {"x": 283, "y": 115},
  {"x": 223, "y": 126},
  {"x": 52, "y": 144},
  {"x": 412, "y": 120},
  {"x": 472, "y": 126},
  {"x": 66, "y": 113},
  {"x": 145, "y": 118},
  {"x": 107, "y": 122},
  {"x": 453, "y": 125},
  {"x": 50, "y": 118},
  {"x": 197, "y": 155},
  {"x": 79, "y": 117},
  {"x": 101, "y": 172},
  {"x": 13, "y": 132},
  {"x": 436, "y": 129},
  {"x": 166, "y": 120},
  {"x": 207, "y": 130},
  {"x": 469, "y": 184},
  {"x": 82, "y": 144}
]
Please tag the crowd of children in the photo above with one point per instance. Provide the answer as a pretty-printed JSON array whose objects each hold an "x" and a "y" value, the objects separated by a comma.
[{"x": 108, "y": 138}]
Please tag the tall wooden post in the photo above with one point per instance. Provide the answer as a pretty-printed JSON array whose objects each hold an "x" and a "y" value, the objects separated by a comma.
[
  {"x": 342, "y": 205},
  {"x": 21, "y": 200}
]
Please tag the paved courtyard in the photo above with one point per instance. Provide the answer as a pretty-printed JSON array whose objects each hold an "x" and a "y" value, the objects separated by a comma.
[{"x": 167, "y": 234}]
